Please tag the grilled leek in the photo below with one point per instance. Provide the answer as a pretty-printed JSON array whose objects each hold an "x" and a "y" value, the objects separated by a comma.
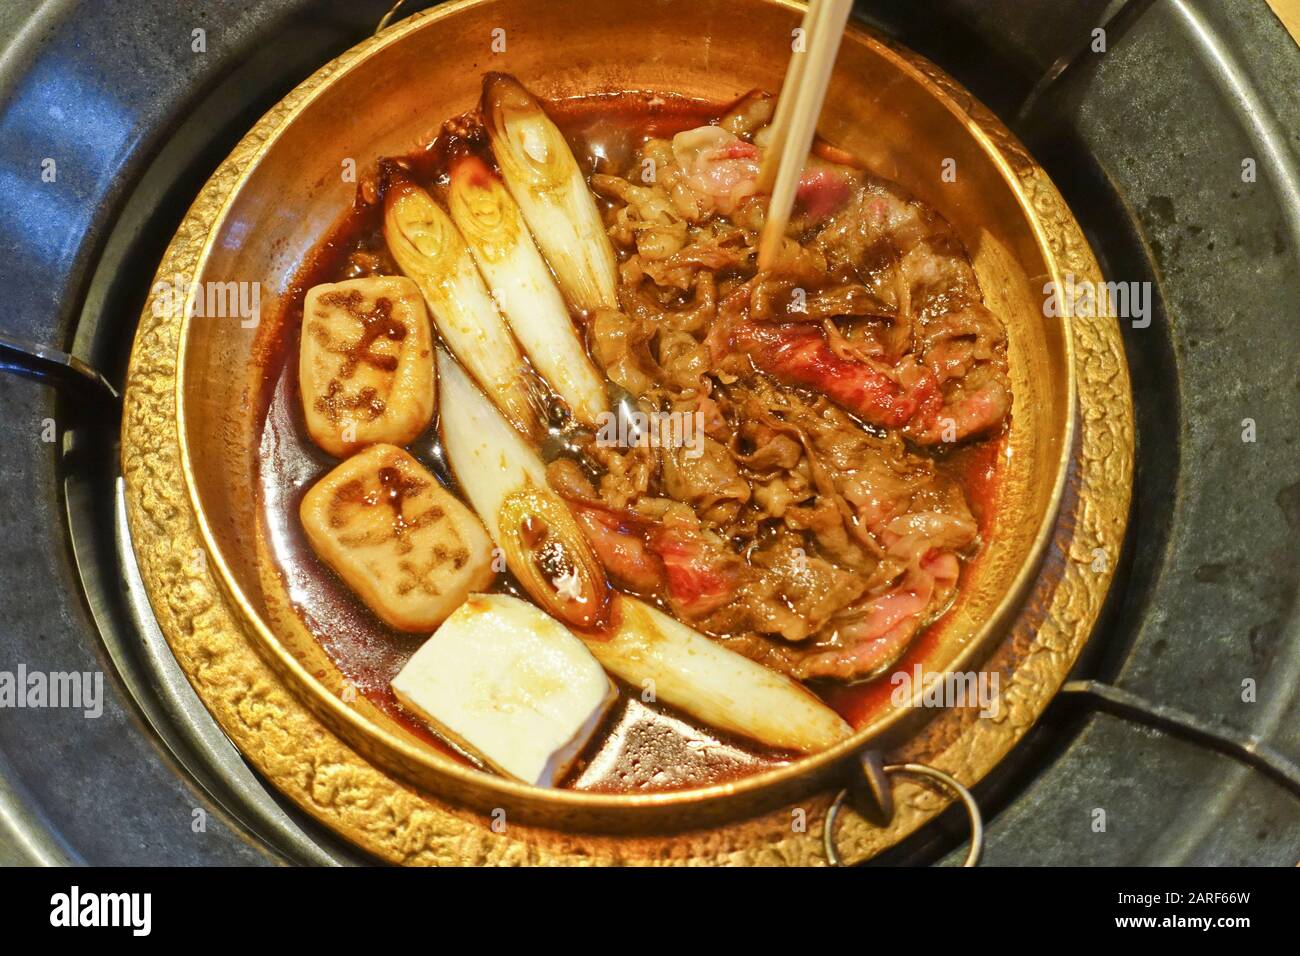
[
  {"x": 427, "y": 247},
  {"x": 493, "y": 228},
  {"x": 541, "y": 173}
]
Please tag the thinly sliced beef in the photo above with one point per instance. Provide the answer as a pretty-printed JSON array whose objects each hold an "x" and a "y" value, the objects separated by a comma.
[
  {"x": 822, "y": 191},
  {"x": 810, "y": 529},
  {"x": 705, "y": 476},
  {"x": 866, "y": 638},
  {"x": 799, "y": 354},
  {"x": 665, "y": 559},
  {"x": 871, "y": 636},
  {"x": 701, "y": 576},
  {"x": 620, "y": 545}
]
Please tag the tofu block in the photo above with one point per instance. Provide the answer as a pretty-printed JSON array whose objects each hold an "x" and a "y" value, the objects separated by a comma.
[
  {"x": 408, "y": 547},
  {"x": 510, "y": 684},
  {"x": 365, "y": 364}
]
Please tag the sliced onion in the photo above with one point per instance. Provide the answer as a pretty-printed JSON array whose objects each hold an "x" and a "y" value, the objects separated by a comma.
[
  {"x": 427, "y": 247},
  {"x": 493, "y": 228},
  {"x": 539, "y": 169},
  {"x": 506, "y": 483}
]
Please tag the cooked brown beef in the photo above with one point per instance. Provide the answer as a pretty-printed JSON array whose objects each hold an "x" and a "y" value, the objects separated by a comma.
[{"x": 807, "y": 525}]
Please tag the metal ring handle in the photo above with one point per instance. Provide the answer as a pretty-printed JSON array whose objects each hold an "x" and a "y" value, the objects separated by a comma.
[{"x": 921, "y": 770}]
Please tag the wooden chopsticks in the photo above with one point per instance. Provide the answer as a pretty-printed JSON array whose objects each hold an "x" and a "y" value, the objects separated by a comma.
[{"x": 802, "y": 94}]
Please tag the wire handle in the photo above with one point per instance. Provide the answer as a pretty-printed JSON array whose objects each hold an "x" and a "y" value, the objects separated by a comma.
[
  {"x": 60, "y": 369},
  {"x": 388, "y": 17},
  {"x": 880, "y": 803},
  {"x": 1249, "y": 749}
]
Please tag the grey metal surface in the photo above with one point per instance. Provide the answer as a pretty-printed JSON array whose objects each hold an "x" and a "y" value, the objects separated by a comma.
[
  {"x": 176, "y": 714},
  {"x": 135, "y": 120},
  {"x": 1143, "y": 140},
  {"x": 102, "y": 787},
  {"x": 1155, "y": 131}
]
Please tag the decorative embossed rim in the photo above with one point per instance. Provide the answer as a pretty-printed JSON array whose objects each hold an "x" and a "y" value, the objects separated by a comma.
[{"x": 1062, "y": 242}]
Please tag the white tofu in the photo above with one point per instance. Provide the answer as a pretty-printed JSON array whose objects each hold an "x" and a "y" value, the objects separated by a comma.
[
  {"x": 509, "y": 684},
  {"x": 405, "y": 544},
  {"x": 365, "y": 364}
]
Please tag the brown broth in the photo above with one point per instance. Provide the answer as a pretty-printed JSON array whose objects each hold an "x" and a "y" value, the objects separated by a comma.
[{"x": 643, "y": 746}]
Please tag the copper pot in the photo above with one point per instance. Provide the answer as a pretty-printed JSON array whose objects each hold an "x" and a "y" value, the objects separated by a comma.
[{"x": 281, "y": 191}]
